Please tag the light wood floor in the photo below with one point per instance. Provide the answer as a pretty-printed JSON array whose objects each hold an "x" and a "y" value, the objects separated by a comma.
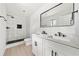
[{"x": 20, "y": 50}]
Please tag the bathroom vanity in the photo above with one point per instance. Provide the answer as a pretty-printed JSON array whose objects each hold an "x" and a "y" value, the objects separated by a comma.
[
  {"x": 43, "y": 46},
  {"x": 64, "y": 34}
]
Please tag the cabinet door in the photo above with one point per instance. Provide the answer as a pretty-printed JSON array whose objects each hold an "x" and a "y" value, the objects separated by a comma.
[
  {"x": 49, "y": 49},
  {"x": 40, "y": 47},
  {"x": 34, "y": 45},
  {"x": 37, "y": 45}
]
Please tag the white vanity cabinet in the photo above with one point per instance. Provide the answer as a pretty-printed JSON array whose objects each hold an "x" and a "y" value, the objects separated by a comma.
[
  {"x": 56, "y": 49},
  {"x": 36, "y": 45},
  {"x": 46, "y": 47}
]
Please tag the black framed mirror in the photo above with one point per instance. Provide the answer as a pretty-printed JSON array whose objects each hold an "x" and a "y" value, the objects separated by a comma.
[{"x": 58, "y": 16}]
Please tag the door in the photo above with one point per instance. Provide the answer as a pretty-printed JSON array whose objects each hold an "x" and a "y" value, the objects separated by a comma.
[
  {"x": 11, "y": 27},
  {"x": 2, "y": 36}
]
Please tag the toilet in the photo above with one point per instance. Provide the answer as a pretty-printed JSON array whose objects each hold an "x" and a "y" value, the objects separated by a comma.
[{"x": 28, "y": 41}]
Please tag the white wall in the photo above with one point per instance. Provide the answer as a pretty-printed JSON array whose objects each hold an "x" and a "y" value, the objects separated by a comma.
[
  {"x": 70, "y": 31},
  {"x": 2, "y": 29},
  {"x": 19, "y": 18}
]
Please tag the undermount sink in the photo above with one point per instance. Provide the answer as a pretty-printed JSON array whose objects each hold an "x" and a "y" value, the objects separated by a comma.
[
  {"x": 46, "y": 36},
  {"x": 50, "y": 37}
]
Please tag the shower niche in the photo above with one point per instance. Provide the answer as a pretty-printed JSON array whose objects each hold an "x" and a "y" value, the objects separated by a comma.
[{"x": 19, "y": 26}]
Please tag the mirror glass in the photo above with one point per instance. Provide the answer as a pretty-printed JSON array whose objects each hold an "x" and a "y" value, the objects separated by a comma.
[{"x": 59, "y": 15}]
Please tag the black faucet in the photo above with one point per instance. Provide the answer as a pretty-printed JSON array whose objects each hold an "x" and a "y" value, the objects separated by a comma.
[
  {"x": 44, "y": 32},
  {"x": 60, "y": 34}
]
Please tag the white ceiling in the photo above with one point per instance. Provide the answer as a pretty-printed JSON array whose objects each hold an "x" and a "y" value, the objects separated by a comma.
[{"x": 28, "y": 8}]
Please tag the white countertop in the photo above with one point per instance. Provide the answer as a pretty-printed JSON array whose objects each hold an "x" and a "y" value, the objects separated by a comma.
[{"x": 69, "y": 41}]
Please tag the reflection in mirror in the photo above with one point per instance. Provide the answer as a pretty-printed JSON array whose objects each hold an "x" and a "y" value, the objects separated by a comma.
[{"x": 60, "y": 15}]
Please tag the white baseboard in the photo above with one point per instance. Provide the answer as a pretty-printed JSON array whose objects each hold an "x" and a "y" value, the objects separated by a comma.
[{"x": 14, "y": 44}]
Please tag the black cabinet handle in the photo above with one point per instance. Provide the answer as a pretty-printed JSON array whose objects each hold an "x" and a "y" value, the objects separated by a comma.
[
  {"x": 52, "y": 53},
  {"x": 55, "y": 53},
  {"x": 35, "y": 43},
  {"x": 7, "y": 27}
]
